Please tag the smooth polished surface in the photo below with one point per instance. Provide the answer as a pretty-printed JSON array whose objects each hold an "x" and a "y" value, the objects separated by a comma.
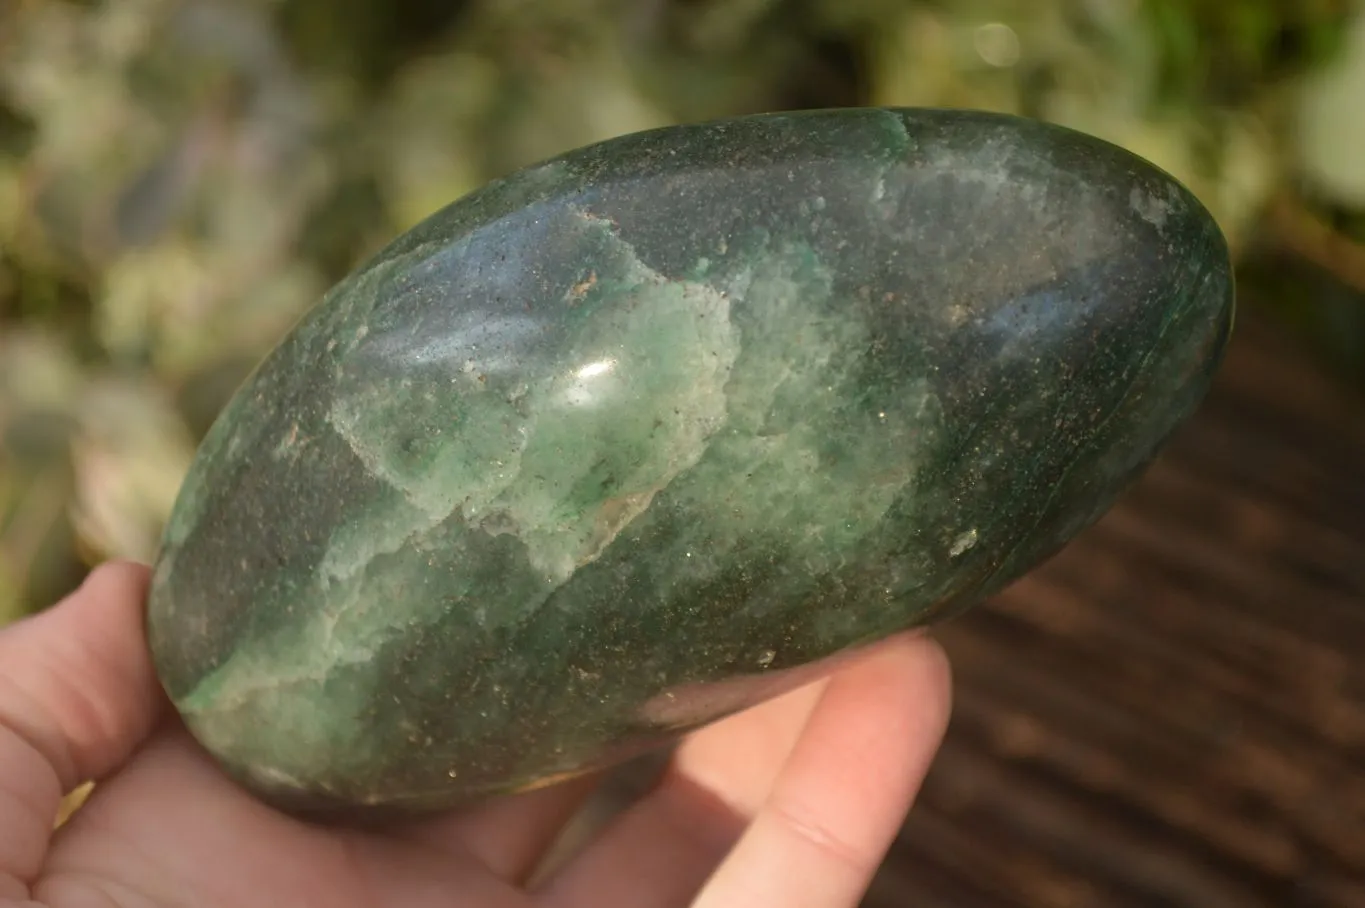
[{"x": 638, "y": 436}]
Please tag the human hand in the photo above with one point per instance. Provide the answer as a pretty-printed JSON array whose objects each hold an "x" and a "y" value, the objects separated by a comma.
[{"x": 791, "y": 803}]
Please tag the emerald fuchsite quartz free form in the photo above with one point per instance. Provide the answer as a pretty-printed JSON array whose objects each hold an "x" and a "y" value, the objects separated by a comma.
[{"x": 639, "y": 436}]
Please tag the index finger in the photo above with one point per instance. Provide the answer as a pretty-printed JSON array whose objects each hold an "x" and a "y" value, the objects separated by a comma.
[{"x": 846, "y": 788}]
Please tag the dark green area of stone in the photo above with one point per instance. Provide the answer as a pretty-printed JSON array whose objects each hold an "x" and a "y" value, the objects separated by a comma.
[{"x": 608, "y": 448}]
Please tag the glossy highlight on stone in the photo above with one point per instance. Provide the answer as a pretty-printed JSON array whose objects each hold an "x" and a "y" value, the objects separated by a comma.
[{"x": 644, "y": 434}]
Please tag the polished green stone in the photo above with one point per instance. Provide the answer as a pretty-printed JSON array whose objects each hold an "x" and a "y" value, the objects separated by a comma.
[{"x": 619, "y": 444}]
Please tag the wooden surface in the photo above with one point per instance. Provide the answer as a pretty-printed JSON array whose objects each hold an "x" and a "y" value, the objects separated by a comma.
[{"x": 1172, "y": 711}]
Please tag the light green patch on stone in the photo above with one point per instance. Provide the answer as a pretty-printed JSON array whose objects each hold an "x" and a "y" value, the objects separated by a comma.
[
  {"x": 799, "y": 459},
  {"x": 576, "y": 456},
  {"x": 284, "y": 682}
]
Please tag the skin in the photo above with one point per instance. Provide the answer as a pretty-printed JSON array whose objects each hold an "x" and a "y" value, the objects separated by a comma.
[{"x": 791, "y": 803}]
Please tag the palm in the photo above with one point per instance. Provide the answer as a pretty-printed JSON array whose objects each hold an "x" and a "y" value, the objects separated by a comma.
[
  {"x": 818, "y": 779},
  {"x": 172, "y": 831}
]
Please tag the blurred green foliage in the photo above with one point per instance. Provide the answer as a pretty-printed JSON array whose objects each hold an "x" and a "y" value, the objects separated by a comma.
[{"x": 181, "y": 179}]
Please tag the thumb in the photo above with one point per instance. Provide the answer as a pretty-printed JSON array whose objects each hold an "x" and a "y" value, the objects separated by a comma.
[{"x": 77, "y": 696}]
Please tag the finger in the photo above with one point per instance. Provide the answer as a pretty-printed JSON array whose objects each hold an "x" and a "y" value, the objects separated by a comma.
[
  {"x": 510, "y": 834},
  {"x": 845, "y": 791},
  {"x": 736, "y": 761},
  {"x": 77, "y": 695},
  {"x": 662, "y": 849}
]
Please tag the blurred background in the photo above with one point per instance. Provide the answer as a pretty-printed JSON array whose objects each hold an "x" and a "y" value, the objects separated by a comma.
[{"x": 181, "y": 179}]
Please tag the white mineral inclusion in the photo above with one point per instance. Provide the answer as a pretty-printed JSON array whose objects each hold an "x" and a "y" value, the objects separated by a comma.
[{"x": 962, "y": 543}]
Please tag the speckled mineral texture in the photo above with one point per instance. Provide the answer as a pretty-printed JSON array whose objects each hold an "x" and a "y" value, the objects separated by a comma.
[{"x": 611, "y": 447}]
